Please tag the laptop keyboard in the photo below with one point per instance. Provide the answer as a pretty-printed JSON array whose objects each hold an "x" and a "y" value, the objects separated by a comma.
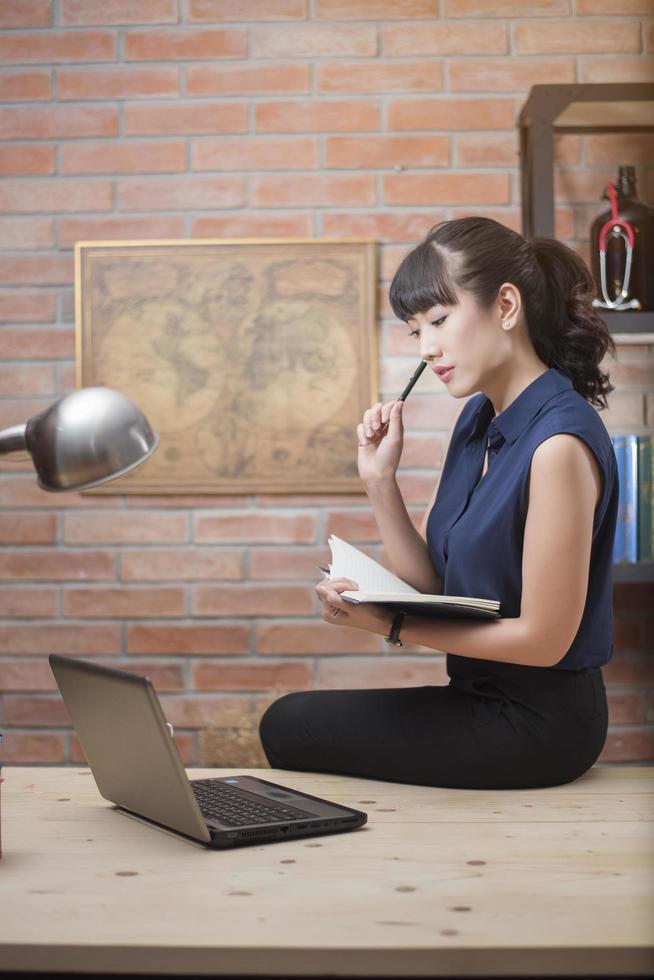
[{"x": 238, "y": 808}]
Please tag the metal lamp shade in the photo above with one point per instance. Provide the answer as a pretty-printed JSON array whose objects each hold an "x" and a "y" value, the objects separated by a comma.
[{"x": 86, "y": 438}]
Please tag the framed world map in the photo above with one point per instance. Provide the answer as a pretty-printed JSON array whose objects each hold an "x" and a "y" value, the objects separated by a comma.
[{"x": 253, "y": 360}]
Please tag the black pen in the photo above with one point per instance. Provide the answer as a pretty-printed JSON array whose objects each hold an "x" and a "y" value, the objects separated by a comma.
[{"x": 412, "y": 380}]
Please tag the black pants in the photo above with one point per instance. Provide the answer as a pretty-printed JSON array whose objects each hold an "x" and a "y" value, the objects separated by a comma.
[{"x": 494, "y": 726}]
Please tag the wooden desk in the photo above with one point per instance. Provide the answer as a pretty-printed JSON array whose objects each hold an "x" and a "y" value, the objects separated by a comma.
[{"x": 438, "y": 883}]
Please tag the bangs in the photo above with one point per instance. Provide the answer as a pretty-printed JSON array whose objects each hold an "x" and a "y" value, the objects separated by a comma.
[{"x": 422, "y": 281}]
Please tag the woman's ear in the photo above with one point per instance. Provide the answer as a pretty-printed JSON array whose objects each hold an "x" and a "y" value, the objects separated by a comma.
[{"x": 509, "y": 303}]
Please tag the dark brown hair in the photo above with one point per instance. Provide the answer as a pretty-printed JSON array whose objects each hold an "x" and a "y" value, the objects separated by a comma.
[{"x": 478, "y": 255}]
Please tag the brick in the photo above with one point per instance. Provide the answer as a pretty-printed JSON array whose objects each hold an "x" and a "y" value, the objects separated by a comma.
[
  {"x": 26, "y": 159},
  {"x": 309, "y": 190},
  {"x": 134, "y": 156},
  {"x": 82, "y": 84},
  {"x": 354, "y": 525},
  {"x": 431, "y": 411},
  {"x": 225, "y": 676},
  {"x": 188, "y": 640},
  {"x": 17, "y": 85},
  {"x": 253, "y": 225},
  {"x": 58, "y": 47},
  {"x": 629, "y": 745},
  {"x": 117, "y": 227},
  {"x": 26, "y": 233},
  {"x": 635, "y": 374},
  {"x": 379, "y": 76},
  {"x": 563, "y": 223},
  {"x": 511, "y": 217},
  {"x": 204, "y": 11},
  {"x": 626, "y": 8},
  {"x": 616, "y": 69},
  {"x": 180, "y": 193},
  {"x": 39, "y": 344},
  {"x": 124, "y": 529},
  {"x": 377, "y": 152},
  {"x": 180, "y": 118},
  {"x": 612, "y": 148},
  {"x": 634, "y": 670},
  {"x": 464, "y": 114},
  {"x": 316, "y": 116},
  {"x": 425, "y": 451},
  {"x": 253, "y": 600},
  {"x": 626, "y": 707},
  {"x": 375, "y": 9},
  {"x": 314, "y": 41},
  {"x": 449, "y": 188},
  {"x": 36, "y": 270},
  {"x": 33, "y": 602},
  {"x": 168, "y": 44},
  {"x": 21, "y": 492},
  {"x": 309, "y": 499},
  {"x": 77, "y": 13},
  {"x": 315, "y": 637},
  {"x": 489, "y": 150},
  {"x": 198, "y": 712},
  {"x": 25, "y": 13},
  {"x": 508, "y": 75},
  {"x": 175, "y": 564},
  {"x": 21, "y": 675},
  {"x": 506, "y": 8},
  {"x": 385, "y": 226},
  {"x": 254, "y": 153},
  {"x": 576, "y": 36},
  {"x": 25, "y": 529},
  {"x": 55, "y": 195},
  {"x": 27, "y": 747},
  {"x": 287, "y": 563},
  {"x": 346, "y": 673},
  {"x": 416, "y": 488},
  {"x": 247, "y": 79},
  {"x": 581, "y": 185},
  {"x": 57, "y": 122},
  {"x": 235, "y": 748},
  {"x": 77, "y": 640},
  {"x": 196, "y": 501},
  {"x": 409, "y": 40},
  {"x": 627, "y": 635},
  {"x": 35, "y": 712},
  {"x": 626, "y": 409},
  {"x": 131, "y": 602},
  {"x": 253, "y": 528},
  {"x": 43, "y": 564},
  {"x": 16, "y": 411}
]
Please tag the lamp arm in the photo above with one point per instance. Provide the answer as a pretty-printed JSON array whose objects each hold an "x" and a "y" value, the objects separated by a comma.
[{"x": 13, "y": 439}]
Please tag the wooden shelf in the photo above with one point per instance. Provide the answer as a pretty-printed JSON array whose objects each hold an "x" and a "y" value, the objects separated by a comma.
[
  {"x": 629, "y": 571},
  {"x": 601, "y": 108}
]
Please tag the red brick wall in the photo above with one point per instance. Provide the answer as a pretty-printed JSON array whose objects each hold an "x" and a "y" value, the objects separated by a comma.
[{"x": 207, "y": 118}]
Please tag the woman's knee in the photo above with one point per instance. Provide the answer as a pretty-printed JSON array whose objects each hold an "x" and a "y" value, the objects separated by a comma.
[{"x": 276, "y": 728}]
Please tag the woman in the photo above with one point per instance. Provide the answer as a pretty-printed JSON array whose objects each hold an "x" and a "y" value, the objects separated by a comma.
[{"x": 525, "y": 513}]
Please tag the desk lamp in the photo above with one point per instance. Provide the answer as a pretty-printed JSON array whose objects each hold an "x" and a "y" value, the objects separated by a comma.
[{"x": 85, "y": 438}]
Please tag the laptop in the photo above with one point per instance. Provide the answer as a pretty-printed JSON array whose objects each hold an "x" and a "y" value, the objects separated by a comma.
[{"x": 129, "y": 747}]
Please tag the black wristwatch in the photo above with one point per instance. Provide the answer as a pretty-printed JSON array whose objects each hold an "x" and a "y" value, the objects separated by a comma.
[{"x": 394, "y": 635}]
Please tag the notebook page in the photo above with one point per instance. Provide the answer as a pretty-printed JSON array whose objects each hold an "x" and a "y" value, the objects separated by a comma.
[{"x": 349, "y": 562}]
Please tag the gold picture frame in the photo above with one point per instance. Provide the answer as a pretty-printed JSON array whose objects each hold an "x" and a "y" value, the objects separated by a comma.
[{"x": 253, "y": 359}]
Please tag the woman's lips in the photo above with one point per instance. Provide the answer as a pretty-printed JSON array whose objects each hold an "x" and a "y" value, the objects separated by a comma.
[{"x": 444, "y": 375}]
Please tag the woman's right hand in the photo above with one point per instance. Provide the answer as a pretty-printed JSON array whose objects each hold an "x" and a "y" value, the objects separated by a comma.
[{"x": 381, "y": 437}]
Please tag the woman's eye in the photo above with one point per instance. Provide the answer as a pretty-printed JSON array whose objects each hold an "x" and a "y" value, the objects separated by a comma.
[
  {"x": 414, "y": 333},
  {"x": 437, "y": 323}
]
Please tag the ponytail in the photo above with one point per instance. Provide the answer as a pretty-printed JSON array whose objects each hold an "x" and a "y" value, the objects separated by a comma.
[
  {"x": 566, "y": 330},
  {"x": 555, "y": 284}
]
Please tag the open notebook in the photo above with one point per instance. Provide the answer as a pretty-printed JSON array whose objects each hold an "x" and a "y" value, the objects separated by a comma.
[{"x": 377, "y": 584}]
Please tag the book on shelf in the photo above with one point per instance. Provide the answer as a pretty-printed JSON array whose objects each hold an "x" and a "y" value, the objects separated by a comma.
[
  {"x": 377, "y": 584},
  {"x": 634, "y": 536}
]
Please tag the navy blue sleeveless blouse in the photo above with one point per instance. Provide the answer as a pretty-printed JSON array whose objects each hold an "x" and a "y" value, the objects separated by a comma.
[{"x": 475, "y": 530}]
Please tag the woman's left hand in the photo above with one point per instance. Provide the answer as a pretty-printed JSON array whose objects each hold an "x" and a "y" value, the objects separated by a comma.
[{"x": 362, "y": 616}]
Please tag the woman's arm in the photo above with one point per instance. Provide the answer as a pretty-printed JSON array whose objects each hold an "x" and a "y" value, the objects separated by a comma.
[{"x": 564, "y": 487}]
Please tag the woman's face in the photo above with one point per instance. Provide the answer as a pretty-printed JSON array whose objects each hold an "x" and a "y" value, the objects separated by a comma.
[{"x": 464, "y": 337}]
